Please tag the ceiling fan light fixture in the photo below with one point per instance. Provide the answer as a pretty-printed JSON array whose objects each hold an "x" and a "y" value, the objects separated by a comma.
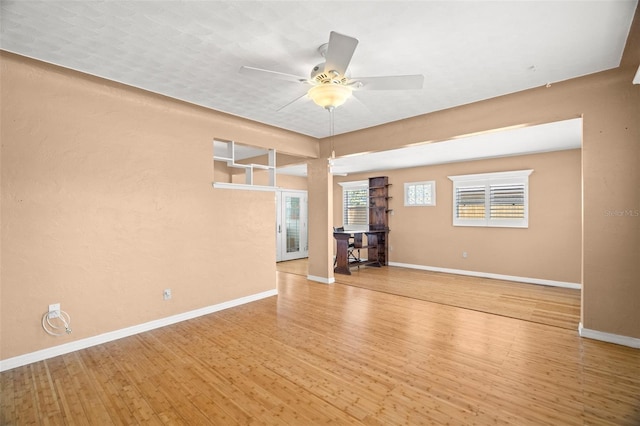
[{"x": 329, "y": 95}]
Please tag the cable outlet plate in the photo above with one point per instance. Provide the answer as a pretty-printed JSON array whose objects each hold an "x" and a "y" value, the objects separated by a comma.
[{"x": 54, "y": 310}]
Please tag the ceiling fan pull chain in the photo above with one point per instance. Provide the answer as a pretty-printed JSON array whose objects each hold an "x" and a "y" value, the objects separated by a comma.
[
  {"x": 331, "y": 120},
  {"x": 331, "y": 131}
]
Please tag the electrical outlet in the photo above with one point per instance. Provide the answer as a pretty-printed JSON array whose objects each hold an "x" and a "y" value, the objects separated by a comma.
[
  {"x": 54, "y": 310},
  {"x": 166, "y": 295},
  {"x": 464, "y": 254}
]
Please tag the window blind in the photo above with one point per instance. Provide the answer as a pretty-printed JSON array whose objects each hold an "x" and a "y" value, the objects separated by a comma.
[{"x": 356, "y": 207}]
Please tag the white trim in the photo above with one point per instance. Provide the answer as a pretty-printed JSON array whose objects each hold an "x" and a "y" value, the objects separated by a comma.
[
  {"x": 514, "y": 174},
  {"x": 364, "y": 184},
  {"x": 20, "y": 360},
  {"x": 618, "y": 339},
  {"x": 224, "y": 185},
  {"x": 527, "y": 280},
  {"x": 321, "y": 280}
]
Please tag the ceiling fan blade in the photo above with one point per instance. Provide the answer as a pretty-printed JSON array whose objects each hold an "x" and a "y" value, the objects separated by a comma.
[
  {"x": 357, "y": 105},
  {"x": 392, "y": 82},
  {"x": 296, "y": 101},
  {"x": 258, "y": 72},
  {"x": 339, "y": 52}
]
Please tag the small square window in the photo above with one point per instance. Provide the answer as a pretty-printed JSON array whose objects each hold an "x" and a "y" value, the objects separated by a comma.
[{"x": 420, "y": 193}]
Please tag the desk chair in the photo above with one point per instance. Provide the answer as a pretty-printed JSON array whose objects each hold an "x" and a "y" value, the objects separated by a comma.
[{"x": 351, "y": 255}]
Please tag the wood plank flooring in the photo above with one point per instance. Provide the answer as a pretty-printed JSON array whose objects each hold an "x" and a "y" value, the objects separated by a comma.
[
  {"x": 555, "y": 306},
  {"x": 339, "y": 354}
]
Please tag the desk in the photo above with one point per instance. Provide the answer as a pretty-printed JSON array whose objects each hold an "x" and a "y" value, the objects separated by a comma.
[{"x": 376, "y": 249}]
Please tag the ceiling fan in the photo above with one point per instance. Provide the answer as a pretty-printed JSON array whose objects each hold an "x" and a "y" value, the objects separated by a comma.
[{"x": 330, "y": 84}]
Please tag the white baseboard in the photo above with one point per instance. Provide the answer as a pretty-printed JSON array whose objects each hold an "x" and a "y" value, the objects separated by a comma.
[
  {"x": 527, "y": 280},
  {"x": 618, "y": 339},
  {"x": 18, "y": 361},
  {"x": 321, "y": 279}
]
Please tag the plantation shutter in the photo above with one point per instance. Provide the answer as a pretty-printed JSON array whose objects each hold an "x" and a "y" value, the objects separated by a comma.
[
  {"x": 507, "y": 201},
  {"x": 498, "y": 199},
  {"x": 470, "y": 202}
]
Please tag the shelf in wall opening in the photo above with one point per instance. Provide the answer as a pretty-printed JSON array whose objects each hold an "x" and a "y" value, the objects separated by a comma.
[
  {"x": 248, "y": 187},
  {"x": 228, "y": 151},
  {"x": 262, "y": 166},
  {"x": 239, "y": 166}
]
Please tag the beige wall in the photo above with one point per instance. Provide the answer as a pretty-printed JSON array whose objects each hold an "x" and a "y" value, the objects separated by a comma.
[
  {"x": 221, "y": 172},
  {"x": 610, "y": 106},
  {"x": 107, "y": 200},
  {"x": 549, "y": 249},
  {"x": 291, "y": 182}
]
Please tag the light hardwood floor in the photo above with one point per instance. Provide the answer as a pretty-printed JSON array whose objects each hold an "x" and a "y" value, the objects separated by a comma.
[
  {"x": 340, "y": 354},
  {"x": 555, "y": 306}
]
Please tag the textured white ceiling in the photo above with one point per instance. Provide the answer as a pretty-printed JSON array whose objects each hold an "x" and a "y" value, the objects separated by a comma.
[{"x": 192, "y": 50}]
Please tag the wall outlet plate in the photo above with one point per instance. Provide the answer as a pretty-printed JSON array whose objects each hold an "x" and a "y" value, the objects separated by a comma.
[
  {"x": 166, "y": 295},
  {"x": 54, "y": 310}
]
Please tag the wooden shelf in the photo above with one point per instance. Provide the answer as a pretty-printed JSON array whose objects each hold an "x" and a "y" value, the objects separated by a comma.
[
  {"x": 377, "y": 245},
  {"x": 379, "y": 214}
]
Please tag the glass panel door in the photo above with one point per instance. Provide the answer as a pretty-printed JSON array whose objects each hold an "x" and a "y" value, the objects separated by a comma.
[{"x": 291, "y": 225}]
